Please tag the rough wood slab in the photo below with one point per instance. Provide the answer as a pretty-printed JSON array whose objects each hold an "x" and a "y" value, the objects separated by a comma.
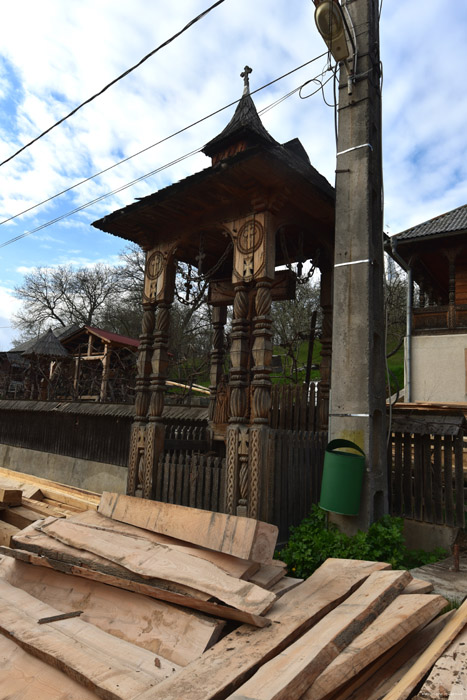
[
  {"x": 403, "y": 616},
  {"x": 449, "y": 674},
  {"x": 173, "y": 633},
  {"x": 414, "y": 675},
  {"x": 417, "y": 585},
  {"x": 23, "y": 677},
  {"x": 235, "y": 658},
  {"x": 285, "y": 584},
  {"x": 111, "y": 667},
  {"x": 7, "y": 532},
  {"x": 242, "y": 537},
  {"x": 268, "y": 575},
  {"x": 33, "y": 540},
  {"x": 291, "y": 673},
  {"x": 44, "y": 510},
  {"x": 11, "y": 497},
  {"x": 152, "y": 560},
  {"x": 216, "y": 609},
  {"x": 240, "y": 568},
  {"x": 378, "y": 679}
]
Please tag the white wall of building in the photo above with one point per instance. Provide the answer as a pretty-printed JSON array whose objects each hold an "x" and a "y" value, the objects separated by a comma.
[{"x": 439, "y": 368}]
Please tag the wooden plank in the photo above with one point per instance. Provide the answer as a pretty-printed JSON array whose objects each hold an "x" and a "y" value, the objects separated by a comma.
[
  {"x": 404, "y": 615},
  {"x": 228, "y": 663},
  {"x": 7, "y": 532},
  {"x": 186, "y": 600},
  {"x": 242, "y": 537},
  {"x": 437, "y": 480},
  {"x": 285, "y": 584},
  {"x": 111, "y": 667},
  {"x": 418, "y": 477},
  {"x": 375, "y": 681},
  {"x": 19, "y": 516},
  {"x": 427, "y": 480},
  {"x": 448, "y": 493},
  {"x": 24, "y": 677},
  {"x": 407, "y": 476},
  {"x": 35, "y": 541},
  {"x": 11, "y": 497},
  {"x": 414, "y": 675},
  {"x": 40, "y": 483},
  {"x": 416, "y": 585},
  {"x": 45, "y": 510},
  {"x": 240, "y": 568},
  {"x": 177, "y": 635},
  {"x": 267, "y": 576},
  {"x": 291, "y": 673},
  {"x": 459, "y": 479},
  {"x": 447, "y": 672},
  {"x": 150, "y": 559},
  {"x": 397, "y": 476}
]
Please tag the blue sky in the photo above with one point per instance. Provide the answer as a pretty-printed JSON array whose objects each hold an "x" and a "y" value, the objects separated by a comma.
[{"x": 54, "y": 55}]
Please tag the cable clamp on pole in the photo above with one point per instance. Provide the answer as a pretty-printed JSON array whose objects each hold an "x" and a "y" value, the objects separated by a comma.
[{"x": 354, "y": 148}]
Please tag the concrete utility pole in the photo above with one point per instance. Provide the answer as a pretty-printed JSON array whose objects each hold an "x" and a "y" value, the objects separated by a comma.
[{"x": 357, "y": 401}]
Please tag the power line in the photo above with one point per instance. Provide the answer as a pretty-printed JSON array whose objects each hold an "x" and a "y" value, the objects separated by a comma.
[
  {"x": 153, "y": 172},
  {"x": 123, "y": 75},
  {"x": 167, "y": 138}
]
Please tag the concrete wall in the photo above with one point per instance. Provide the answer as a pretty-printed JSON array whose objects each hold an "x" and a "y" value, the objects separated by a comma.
[
  {"x": 438, "y": 368},
  {"x": 86, "y": 474}
]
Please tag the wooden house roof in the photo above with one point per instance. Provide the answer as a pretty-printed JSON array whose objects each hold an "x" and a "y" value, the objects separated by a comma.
[{"x": 451, "y": 223}]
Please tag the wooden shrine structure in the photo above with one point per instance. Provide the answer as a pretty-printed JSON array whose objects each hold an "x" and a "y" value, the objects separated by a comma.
[{"x": 260, "y": 206}]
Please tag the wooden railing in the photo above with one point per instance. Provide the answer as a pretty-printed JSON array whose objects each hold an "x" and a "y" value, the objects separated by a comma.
[{"x": 440, "y": 318}]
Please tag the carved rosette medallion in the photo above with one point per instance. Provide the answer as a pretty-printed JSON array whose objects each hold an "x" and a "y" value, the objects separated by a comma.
[{"x": 250, "y": 237}]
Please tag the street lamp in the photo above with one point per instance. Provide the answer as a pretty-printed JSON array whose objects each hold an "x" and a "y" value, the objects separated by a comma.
[{"x": 333, "y": 27}]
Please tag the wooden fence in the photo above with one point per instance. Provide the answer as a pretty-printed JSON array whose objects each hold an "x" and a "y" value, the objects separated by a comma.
[
  {"x": 189, "y": 478},
  {"x": 295, "y": 406},
  {"x": 298, "y": 469},
  {"x": 427, "y": 473}
]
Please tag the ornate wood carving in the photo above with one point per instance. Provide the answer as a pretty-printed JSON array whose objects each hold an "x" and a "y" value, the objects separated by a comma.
[
  {"x": 262, "y": 353},
  {"x": 218, "y": 408}
]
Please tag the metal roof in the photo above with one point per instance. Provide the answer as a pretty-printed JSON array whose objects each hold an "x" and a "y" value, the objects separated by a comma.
[{"x": 454, "y": 221}]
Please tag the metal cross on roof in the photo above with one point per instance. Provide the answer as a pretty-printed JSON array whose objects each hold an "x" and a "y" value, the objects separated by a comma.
[{"x": 246, "y": 81}]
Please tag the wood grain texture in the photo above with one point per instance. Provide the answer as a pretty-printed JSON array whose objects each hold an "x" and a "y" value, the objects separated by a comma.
[
  {"x": 407, "y": 683},
  {"x": 19, "y": 516},
  {"x": 381, "y": 675},
  {"x": 235, "y": 658},
  {"x": 7, "y": 532},
  {"x": 24, "y": 677},
  {"x": 416, "y": 585},
  {"x": 240, "y": 568},
  {"x": 242, "y": 537},
  {"x": 149, "y": 559},
  {"x": 403, "y": 616},
  {"x": 218, "y": 610},
  {"x": 33, "y": 540},
  {"x": 11, "y": 497},
  {"x": 163, "y": 629},
  {"x": 110, "y": 667},
  {"x": 449, "y": 674},
  {"x": 291, "y": 673}
]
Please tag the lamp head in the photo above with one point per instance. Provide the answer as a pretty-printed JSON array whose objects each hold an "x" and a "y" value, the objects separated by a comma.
[{"x": 330, "y": 23}]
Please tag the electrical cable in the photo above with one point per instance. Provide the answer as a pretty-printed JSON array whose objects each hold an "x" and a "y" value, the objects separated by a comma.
[
  {"x": 141, "y": 178},
  {"x": 123, "y": 75},
  {"x": 167, "y": 138}
]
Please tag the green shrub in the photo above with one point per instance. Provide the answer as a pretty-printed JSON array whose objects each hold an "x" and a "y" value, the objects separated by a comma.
[{"x": 314, "y": 541}]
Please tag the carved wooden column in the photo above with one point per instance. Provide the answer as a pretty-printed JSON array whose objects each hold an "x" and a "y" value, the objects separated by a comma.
[
  {"x": 219, "y": 317},
  {"x": 237, "y": 436},
  {"x": 147, "y": 438},
  {"x": 135, "y": 475},
  {"x": 326, "y": 345},
  {"x": 248, "y": 479}
]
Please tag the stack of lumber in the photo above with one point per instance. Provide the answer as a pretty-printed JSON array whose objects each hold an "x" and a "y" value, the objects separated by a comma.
[{"x": 150, "y": 601}]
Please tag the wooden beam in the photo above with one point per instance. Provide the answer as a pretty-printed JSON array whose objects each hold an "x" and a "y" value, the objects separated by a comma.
[
  {"x": 11, "y": 497},
  {"x": 291, "y": 673},
  {"x": 221, "y": 292},
  {"x": 221, "y": 669},
  {"x": 150, "y": 559},
  {"x": 19, "y": 516},
  {"x": 7, "y": 532},
  {"x": 188, "y": 601},
  {"x": 449, "y": 674},
  {"x": 242, "y": 537}
]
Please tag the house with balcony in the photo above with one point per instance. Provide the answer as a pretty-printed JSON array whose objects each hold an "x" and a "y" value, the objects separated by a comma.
[{"x": 434, "y": 253}]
